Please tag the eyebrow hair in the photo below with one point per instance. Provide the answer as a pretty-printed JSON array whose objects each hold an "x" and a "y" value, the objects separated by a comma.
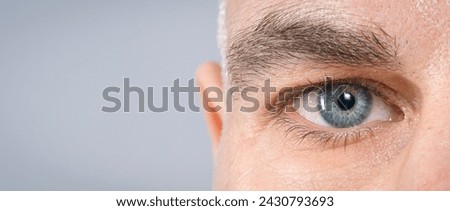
[{"x": 280, "y": 40}]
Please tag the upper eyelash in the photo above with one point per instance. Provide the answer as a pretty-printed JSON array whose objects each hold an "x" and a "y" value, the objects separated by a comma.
[{"x": 275, "y": 105}]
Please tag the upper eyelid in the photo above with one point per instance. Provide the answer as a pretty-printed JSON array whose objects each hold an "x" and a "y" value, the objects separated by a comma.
[
  {"x": 373, "y": 86},
  {"x": 393, "y": 86}
]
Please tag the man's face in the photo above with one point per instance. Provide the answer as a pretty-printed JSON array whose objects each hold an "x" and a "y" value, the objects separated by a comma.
[{"x": 382, "y": 126}]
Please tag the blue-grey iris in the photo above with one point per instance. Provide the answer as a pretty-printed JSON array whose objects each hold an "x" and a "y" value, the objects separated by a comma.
[{"x": 345, "y": 106}]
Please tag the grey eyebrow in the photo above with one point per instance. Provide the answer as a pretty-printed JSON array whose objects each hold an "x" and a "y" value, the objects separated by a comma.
[{"x": 280, "y": 40}]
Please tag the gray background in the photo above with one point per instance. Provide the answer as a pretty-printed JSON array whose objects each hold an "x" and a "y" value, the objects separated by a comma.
[{"x": 56, "y": 57}]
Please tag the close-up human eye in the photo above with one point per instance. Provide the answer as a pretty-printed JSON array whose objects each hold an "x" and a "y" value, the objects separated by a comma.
[
  {"x": 341, "y": 111},
  {"x": 345, "y": 104}
]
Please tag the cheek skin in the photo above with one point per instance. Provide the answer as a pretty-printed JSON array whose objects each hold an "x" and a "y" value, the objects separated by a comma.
[
  {"x": 270, "y": 162},
  {"x": 237, "y": 164}
]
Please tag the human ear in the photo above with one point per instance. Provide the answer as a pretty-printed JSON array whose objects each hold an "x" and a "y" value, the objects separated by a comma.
[{"x": 209, "y": 76}]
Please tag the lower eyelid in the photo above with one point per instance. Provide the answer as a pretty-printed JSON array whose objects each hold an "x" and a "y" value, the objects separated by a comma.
[
  {"x": 304, "y": 138},
  {"x": 308, "y": 136}
]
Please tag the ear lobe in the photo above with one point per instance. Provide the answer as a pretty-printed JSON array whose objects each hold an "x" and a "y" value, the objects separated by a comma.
[{"x": 209, "y": 75}]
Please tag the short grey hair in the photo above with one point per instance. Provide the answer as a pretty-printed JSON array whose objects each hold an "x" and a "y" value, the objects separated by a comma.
[{"x": 222, "y": 35}]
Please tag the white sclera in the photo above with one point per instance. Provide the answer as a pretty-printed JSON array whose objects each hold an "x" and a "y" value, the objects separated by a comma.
[{"x": 380, "y": 110}]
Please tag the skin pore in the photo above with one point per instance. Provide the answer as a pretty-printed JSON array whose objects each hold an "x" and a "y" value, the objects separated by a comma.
[{"x": 399, "y": 50}]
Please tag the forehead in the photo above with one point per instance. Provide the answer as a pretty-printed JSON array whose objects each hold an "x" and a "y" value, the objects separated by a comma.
[
  {"x": 423, "y": 25},
  {"x": 430, "y": 12}
]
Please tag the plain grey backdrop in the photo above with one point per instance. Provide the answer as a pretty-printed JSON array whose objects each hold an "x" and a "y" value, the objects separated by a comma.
[{"x": 56, "y": 57}]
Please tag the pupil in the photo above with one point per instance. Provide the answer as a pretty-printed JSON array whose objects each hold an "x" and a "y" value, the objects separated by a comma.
[{"x": 346, "y": 101}]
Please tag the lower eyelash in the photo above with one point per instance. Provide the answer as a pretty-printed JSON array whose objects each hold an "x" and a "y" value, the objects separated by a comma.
[{"x": 322, "y": 139}]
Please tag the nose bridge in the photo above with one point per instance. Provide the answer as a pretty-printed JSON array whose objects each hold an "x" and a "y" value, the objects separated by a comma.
[{"x": 428, "y": 163}]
